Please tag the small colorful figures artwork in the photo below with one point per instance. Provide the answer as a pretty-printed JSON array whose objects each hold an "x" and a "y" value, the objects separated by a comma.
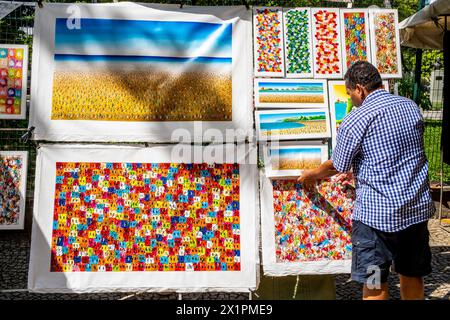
[
  {"x": 298, "y": 46},
  {"x": 327, "y": 43},
  {"x": 13, "y": 167},
  {"x": 13, "y": 81},
  {"x": 312, "y": 224},
  {"x": 355, "y": 36},
  {"x": 146, "y": 217},
  {"x": 268, "y": 37},
  {"x": 386, "y": 43}
]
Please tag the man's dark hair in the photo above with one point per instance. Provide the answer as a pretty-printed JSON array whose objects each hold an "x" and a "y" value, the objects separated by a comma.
[{"x": 364, "y": 74}]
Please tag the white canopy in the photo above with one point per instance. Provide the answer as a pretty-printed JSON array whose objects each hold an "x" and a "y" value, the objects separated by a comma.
[{"x": 425, "y": 28}]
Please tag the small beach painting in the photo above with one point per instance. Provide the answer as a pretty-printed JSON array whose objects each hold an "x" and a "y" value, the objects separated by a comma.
[
  {"x": 290, "y": 93},
  {"x": 290, "y": 159},
  {"x": 293, "y": 124},
  {"x": 142, "y": 70},
  {"x": 341, "y": 104}
]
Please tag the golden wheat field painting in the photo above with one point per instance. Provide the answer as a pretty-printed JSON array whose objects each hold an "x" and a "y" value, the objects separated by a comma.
[
  {"x": 133, "y": 70},
  {"x": 291, "y": 159},
  {"x": 290, "y": 93}
]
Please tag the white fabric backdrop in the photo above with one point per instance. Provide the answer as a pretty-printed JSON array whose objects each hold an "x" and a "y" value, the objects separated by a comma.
[
  {"x": 83, "y": 130},
  {"x": 42, "y": 280}
]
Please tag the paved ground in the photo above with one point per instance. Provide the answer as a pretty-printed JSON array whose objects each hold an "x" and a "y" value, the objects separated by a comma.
[{"x": 14, "y": 259}]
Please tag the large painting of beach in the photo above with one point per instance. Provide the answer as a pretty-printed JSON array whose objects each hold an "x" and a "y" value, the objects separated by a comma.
[
  {"x": 291, "y": 159},
  {"x": 292, "y": 124},
  {"x": 287, "y": 93},
  {"x": 136, "y": 70}
]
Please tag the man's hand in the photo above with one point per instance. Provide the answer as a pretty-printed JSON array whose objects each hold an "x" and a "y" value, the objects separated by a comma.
[{"x": 308, "y": 179}]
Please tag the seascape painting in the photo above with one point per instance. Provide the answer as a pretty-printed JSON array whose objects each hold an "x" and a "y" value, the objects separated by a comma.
[{"x": 292, "y": 124}]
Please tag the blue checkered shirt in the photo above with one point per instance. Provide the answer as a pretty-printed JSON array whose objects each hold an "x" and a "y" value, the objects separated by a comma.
[{"x": 383, "y": 142}]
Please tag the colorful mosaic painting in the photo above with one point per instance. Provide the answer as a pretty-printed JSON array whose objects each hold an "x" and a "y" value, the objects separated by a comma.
[
  {"x": 312, "y": 224},
  {"x": 327, "y": 58},
  {"x": 11, "y": 170},
  {"x": 356, "y": 37},
  {"x": 268, "y": 41},
  {"x": 298, "y": 42},
  {"x": 386, "y": 43},
  {"x": 12, "y": 74},
  {"x": 146, "y": 217}
]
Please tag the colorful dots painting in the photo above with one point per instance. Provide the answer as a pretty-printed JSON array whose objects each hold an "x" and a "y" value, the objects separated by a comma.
[
  {"x": 355, "y": 36},
  {"x": 146, "y": 217},
  {"x": 298, "y": 46},
  {"x": 307, "y": 231},
  {"x": 13, "y": 178},
  {"x": 268, "y": 41},
  {"x": 13, "y": 81},
  {"x": 116, "y": 218},
  {"x": 326, "y": 36},
  {"x": 385, "y": 39}
]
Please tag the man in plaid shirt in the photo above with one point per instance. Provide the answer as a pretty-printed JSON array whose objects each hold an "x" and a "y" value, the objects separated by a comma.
[{"x": 382, "y": 141}]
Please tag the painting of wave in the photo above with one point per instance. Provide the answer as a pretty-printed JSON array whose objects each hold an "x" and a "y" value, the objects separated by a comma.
[
  {"x": 288, "y": 93},
  {"x": 296, "y": 124},
  {"x": 135, "y": 70}
]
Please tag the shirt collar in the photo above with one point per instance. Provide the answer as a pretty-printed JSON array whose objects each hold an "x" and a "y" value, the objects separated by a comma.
[{"x": 373, "y": 95}]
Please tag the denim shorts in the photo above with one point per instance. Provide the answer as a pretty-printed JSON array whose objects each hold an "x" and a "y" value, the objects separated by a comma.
[{"x": 375, "y": 251}]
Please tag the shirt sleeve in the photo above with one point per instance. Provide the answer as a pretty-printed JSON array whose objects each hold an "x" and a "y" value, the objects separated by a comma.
[{"x": 348, "y": 145}]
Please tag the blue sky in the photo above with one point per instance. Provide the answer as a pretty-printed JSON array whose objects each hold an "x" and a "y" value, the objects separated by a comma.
[
  {"x": 289, "y": 85},
  {"x": 283, "y": 152},
  {"x": 146, "y": 38},
  {"x": 277, "y": 117}
]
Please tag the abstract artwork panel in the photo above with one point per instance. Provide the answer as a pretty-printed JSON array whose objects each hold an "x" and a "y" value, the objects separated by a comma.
[
  {"x": 140, "y": 72},
  {"x": 292, "y": 124},
  {"x": 13, "y": 178},
  {"x": 355, "y": 36},
  {"x": 291, "y": 93},
  {"x": 308, "y": 231},
  {"x": 341, "y": 104},
  {"x": 289, "y": 159},
  {"x": 13, "y": 81},
  {"x": 268, "y": 41},
  {"x": 146, "y": 217},
  {"x": 298, "y": 43},
  {"x": 159, "y": 218},
  {"x": 326, "y": 36},
  {"x": 156, "y": 73},
  {"x": 385, "y": 39}
]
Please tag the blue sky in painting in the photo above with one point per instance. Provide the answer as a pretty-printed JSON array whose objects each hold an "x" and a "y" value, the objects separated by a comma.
[
  {"x": 144, "y": 38},
  {"x": 283, "y": 152},
  {"x": 289, "y": 85}
]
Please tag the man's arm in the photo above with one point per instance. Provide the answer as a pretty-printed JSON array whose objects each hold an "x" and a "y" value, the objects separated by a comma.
[{"x": 325, "y": 170}]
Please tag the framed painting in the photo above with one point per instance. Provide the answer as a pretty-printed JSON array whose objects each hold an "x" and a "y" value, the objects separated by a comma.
[
  {"x": 291, "y": 93},
  {"x": 306, "y": 231},
  {"x": 292, "y": 124},
  {"x": 341, "y": 104},
  {"x": 289, "y": 159},
  {"x": 298, "y": 43},
  {"x": 175, "y": 68},
  {"x": 13, "y": 186},
  {"x": 385, "y": 42},
  {"x": 327, "y": 59},
  {"x": 268, "y": 41},
  {"x": 355, "y": 36},
  {"x": 164, "y": 218},
  {"x": 13, "y": 81}
]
